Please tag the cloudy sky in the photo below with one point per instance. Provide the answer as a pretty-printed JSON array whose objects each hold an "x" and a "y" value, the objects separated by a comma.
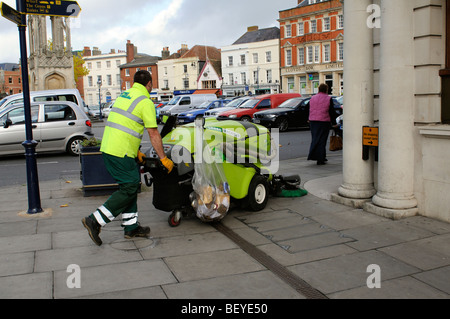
[{"x": 154, "y": 24}]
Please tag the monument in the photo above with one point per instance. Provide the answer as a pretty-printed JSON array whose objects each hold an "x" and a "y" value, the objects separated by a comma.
[{"x": 50, "y": 62}]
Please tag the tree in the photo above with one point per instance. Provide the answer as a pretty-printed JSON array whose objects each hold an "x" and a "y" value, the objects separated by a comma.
[{"x": 78, "y": 66}]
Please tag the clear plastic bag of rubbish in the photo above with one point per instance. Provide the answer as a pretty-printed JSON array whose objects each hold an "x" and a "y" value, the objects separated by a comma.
[{"x": 211, "y": 196}]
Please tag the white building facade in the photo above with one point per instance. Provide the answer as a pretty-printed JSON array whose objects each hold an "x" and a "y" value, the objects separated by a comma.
[
  {"x": 103, "y": 69},
  {"x": 252, "y": 63}
]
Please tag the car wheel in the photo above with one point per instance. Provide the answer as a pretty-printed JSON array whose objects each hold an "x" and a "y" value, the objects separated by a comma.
[
  {"x": 282, "y": 124},
  {"x": 74, "y": 146},
  {"x": 246, "y": 119},
  {"x": 258, "y": 193}
]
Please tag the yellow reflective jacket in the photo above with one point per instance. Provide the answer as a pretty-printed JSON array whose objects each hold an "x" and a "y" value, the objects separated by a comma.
[{"x": 132, "y": 112}]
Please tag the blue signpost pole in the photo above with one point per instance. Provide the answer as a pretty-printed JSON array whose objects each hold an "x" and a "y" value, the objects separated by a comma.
[{"x": 34, "y": 199}]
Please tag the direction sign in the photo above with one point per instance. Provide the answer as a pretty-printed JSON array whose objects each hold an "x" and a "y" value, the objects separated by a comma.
[
  {"x": 370, "y": 136},
  {"x": 52, "y": 8},
  {"x": 11, "y": 14}
]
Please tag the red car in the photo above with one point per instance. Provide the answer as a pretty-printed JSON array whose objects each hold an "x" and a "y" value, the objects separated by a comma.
[{"x": 262, "y": 102}]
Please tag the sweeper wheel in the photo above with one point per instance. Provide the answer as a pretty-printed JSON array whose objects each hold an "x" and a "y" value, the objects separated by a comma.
[
  {"x": 258, "y": 193},
  {"x": 175, "y": 218}
]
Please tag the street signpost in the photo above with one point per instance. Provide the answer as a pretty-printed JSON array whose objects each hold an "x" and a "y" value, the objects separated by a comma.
[
  {"x": 52, "y": 8},
  {"x": 11, "y": 14},
  {"x": 19, "y": 17}
]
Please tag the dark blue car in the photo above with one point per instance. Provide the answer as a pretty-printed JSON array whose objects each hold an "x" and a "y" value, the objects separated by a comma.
[{"x": 191, "y": 115}]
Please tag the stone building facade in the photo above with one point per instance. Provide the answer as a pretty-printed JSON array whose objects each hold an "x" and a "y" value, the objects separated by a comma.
[{"x": 397, "y": 79}]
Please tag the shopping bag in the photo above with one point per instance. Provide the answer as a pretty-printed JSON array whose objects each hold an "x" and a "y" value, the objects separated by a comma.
[{"x": 335, "y": 142}]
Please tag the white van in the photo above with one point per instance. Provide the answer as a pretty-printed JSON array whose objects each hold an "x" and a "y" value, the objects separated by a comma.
[
  {"x": 181, "y": 103},
  {"x": 70, "y": 95}
]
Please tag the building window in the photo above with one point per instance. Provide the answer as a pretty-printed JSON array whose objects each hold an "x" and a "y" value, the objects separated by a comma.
[
  {"x": 317, "y": 54},
  {"x": 310, "y": 54},
  {"x": 301, "y": 28},
  {"x": 186, "y": 83},
  {"x": 268, "y": 56},
  {"x": 255, "y": 77},
  {"x": 291, "y": 84},
  {"x": 185, "y": 68},
  {"x": 326, "y": 24},
  {"x": 313, "y": 26},
  {"x": 341, "y": 21},
  {"x": 166, "y": 84},
  {"x": 243, "y": 78},
  {"x": 341, "y": 51},
  {"x": 242, "y": 59},
  {"x": 10, "y": 80},
  {"x": 127, "y": 72},
  {"x": 269, "y": 76},
  {"x": 208, "y": 84},
  {"x": 231, "y": 79},
  {"x": 326, "y": 53},
  {"x": 90, "y": 81},
  {"x": 117, "y": 62},
  {"x": 288, "y": 57},
  {"x": 108, "y": 64},
  {"x": 255, "y": 58},
  {"x": 230, "y": 61},
  {"x": 89, "y": 65},
  {"x": 303, "y": 85},
  {"x": 301, "y": 56},
  {"x": 288, "y": 31},
  {"x": 109, "y": 79},
  {"x": 99, "y": 65}
]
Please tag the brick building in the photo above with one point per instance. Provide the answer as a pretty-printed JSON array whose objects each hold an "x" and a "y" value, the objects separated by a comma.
[
  {"x": 312, "y": 46},
  {"x": 10, "y": 78},
  {"x": 135, "y": 62}
]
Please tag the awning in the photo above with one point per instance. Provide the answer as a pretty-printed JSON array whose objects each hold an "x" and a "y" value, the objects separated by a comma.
[{"x": 210, "y": 91}]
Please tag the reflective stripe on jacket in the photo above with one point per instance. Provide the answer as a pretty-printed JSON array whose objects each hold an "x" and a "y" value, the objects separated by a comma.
[{"x": 132, "y": 112}]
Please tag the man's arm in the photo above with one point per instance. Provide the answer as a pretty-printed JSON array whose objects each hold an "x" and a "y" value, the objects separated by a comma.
[{"x": 155, "y": 139}]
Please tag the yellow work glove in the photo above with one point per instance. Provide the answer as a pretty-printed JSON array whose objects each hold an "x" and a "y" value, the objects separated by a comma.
[
  {"x": 167, "y": 164},
  {"x": 141, "y": 158}
]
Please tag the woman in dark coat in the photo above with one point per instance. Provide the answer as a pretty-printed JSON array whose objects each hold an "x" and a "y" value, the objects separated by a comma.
[{"x": 320, "y": 124}]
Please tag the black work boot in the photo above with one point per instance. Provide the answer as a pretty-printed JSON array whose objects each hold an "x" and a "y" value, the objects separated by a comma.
[
  {"x": 138, "y": 232},
  {"x": 93, "y": 228}
]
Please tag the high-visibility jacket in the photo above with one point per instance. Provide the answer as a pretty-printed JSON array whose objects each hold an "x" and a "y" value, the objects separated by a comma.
[{"x": 132, "y": 112}]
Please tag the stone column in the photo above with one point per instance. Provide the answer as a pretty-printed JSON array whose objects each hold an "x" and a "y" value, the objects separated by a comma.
[
  {"x": 395, "y": 194},
  {"x": 358, "y": 186}
]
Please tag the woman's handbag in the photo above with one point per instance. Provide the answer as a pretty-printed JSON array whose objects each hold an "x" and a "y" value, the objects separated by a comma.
[{"x": 335, "y": 142}]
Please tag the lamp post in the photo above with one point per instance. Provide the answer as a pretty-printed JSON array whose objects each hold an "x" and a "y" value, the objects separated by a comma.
[{"x": 99, "y": 83}]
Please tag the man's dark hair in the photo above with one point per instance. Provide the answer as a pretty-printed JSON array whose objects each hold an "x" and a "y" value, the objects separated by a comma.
[{"x": 143, "y": 77}]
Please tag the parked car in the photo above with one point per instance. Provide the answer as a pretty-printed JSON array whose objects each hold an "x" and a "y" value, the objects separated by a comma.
[
  {"x": 182, "y": 103},
  {"x": 191, "y": 115},
  {"x": 291, "y": 113},
  {"x": 246, "y": 110},
  {"x": 57, "y": 126},
  {"x": 71, "y": 95},
  {"x": 230, "y": 106}
]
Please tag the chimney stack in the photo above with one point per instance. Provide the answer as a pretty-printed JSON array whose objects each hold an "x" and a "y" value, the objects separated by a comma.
[
  {"x": 165, "y": 53},
  {"x": 131, "y": 50}
]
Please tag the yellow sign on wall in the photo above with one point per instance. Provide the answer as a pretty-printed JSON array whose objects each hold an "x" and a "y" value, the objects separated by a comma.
[{"x": 370, "y": 136}]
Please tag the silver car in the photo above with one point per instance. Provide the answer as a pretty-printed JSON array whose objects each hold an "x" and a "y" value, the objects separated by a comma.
[{"x": 57, "y": 126}]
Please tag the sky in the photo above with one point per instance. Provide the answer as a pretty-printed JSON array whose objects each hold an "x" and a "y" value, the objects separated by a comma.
[{"x": 153, "y": 24}]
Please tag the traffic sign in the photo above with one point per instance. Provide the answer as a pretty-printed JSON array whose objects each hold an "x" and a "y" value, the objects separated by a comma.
[
  {"x": 10, "y": 13},
  {"x": 370, "y": 136},
  {"x": 59, "y": 8}
]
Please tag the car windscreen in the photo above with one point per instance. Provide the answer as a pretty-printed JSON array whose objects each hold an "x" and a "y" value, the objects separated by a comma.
[
  {"x": 292, "y": 103},
  {"x": 236, "y": 103},
  {"x": 249, "y": 104},
  {"x": 174, "y": 100},
  {"x": 204, "y": 105},
  {"x": 2, "y": 102}
]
